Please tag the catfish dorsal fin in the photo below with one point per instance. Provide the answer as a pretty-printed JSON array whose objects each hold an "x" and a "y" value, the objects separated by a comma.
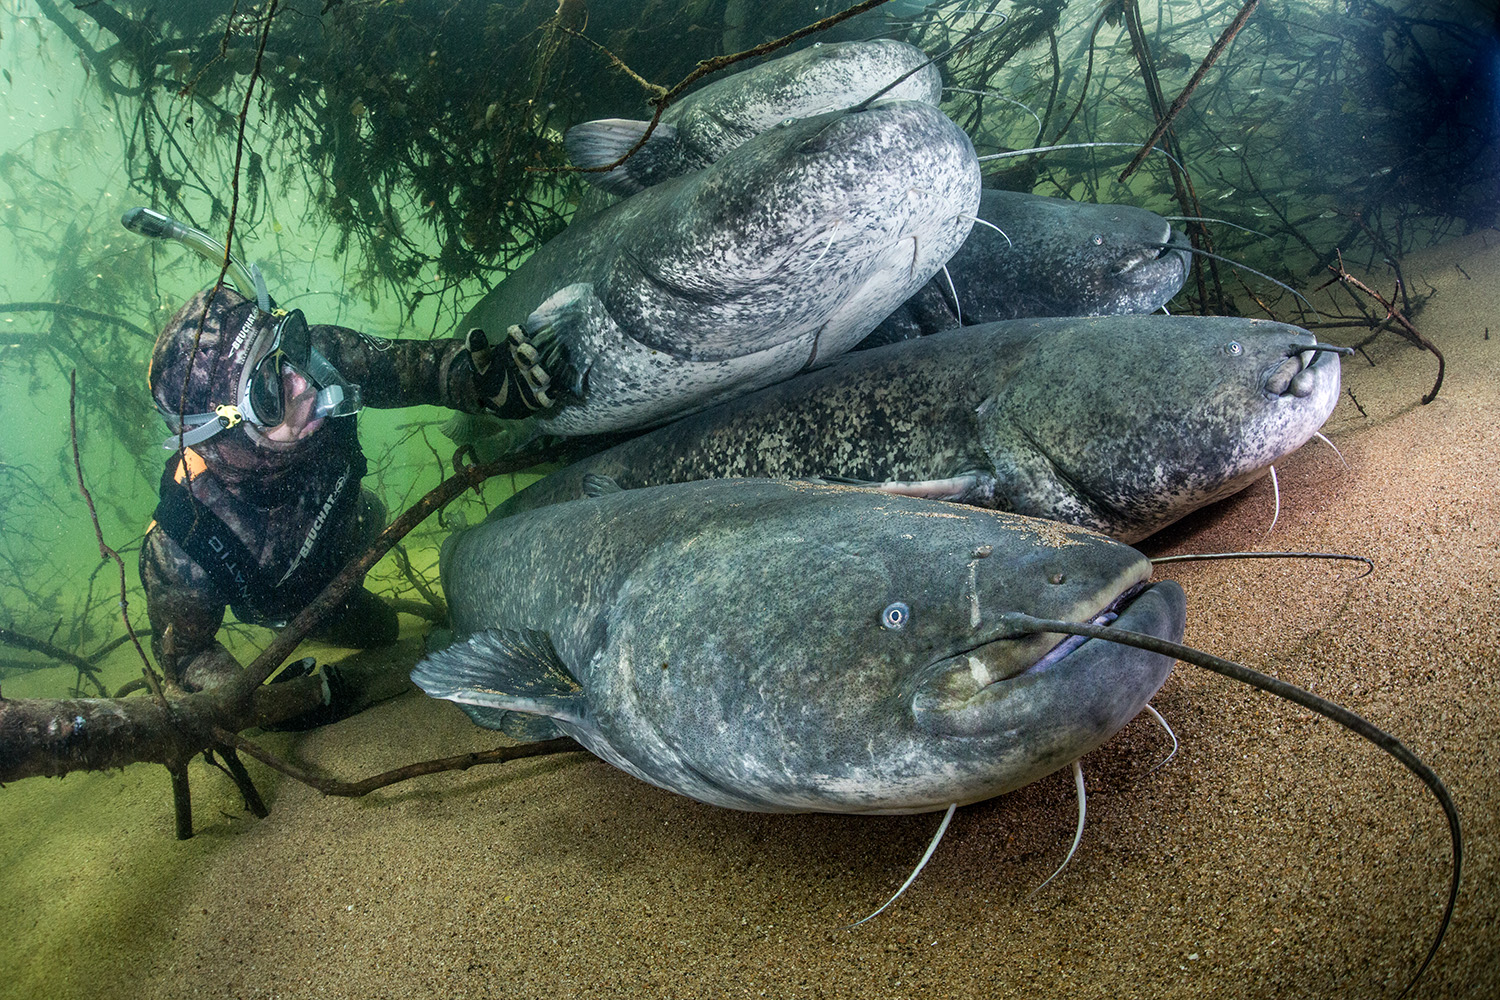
[
  {"x": 517, "y": 670},
  {"x": 598, "y": 143}
]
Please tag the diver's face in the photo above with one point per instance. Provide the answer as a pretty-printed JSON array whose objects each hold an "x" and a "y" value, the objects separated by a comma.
[{"x": 299, "y": 397}]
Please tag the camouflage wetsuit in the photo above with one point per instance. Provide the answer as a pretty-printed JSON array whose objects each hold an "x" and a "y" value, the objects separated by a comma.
[{"x": 295, "y": 509}]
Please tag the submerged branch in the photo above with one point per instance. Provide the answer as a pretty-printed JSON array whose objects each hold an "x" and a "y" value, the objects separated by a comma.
[
  {"x": 81, "y": 313},
  {"x": 437, "y": 608},
  {"x": 46, "y": 737},
  {"x": 1182, "y": 98},
  {"x": 1403, "y": 325},
  {"x": 105, "y": 552},
  {"x": 86, "y": 668},
  {"x": 354, "y": 789}
]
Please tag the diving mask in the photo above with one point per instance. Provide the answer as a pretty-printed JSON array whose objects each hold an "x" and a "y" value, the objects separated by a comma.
[
  {"x": 261, "y": 397},
  {"x": 278, "y": 345}
]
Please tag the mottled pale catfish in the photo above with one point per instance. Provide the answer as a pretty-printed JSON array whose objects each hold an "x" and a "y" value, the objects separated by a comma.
[
  {"x": 791, "y": 647},
  {"x": 784, "y": 253},
  {"x": 698, "y": 129}
]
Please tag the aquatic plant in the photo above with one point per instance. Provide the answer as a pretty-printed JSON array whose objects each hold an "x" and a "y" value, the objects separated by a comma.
[
  {"x": 418, "y": 126},
  {"x": 1266, "y": 137},
  {"x": 414, "y": 125}
]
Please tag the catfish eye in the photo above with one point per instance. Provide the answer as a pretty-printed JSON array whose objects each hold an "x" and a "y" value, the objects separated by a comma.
[
  {"x": 1234, "y": 349},
  {"x": 1098, "y": 239},
  {"x": 895, "y": 616}
]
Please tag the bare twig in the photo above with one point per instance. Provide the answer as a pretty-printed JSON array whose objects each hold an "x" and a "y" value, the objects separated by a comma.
[
  {"x": 11, "y": 637},
  {"x": 240, "y": 777},
  {"x": 105, "y": 552},
  {"x": 78, "y": 311},
  {"x": 239, "y": 149},
  {"x": 1182, "y": 181},
  {"x": 1182, "y": 98},
  {"x": 1403, "y": 325},
  {"x": 654, "y": 89},
  {"x": 415, "y": 579},
  {"x": 354, "y": 789},
  {"x": 113, "y": 644},
  {"x": 234, "y": 207}
]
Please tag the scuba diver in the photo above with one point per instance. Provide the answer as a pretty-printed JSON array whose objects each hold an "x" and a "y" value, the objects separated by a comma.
[{"x": 260, "y": 503}]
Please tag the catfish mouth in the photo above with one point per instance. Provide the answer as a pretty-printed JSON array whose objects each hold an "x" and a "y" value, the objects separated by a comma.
[
  {"x": 1171, "y": 256},
  {"x": 1017, "y": 681},
  {"x": 1108, "y": 616},
  {"x": 1302, "y": 369}
]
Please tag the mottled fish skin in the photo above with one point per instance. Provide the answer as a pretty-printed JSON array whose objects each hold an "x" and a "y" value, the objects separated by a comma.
[
  {"x": 727, "y": 640},
  {"x": 1057, "y": 258},
  {"x": 722, "y": 116},
  {"x": 812, "y": 81},
  {"x": 1120, "y": 423},
  {"x": 784, "y": 253}
]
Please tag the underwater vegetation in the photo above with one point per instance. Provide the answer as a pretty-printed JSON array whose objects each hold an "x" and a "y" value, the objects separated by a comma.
[{"x": 417, "y": 127}]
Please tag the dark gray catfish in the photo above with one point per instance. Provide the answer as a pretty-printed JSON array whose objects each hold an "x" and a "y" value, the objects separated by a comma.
[
  {"x": 1119, "y": 423},
  {"x": 785, "y": 252},
  {"x": 1057, "y": 258},
  {"x": 790, "y": 647}
]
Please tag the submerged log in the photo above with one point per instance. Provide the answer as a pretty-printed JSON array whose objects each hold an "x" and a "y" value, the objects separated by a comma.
[{"x": 50, "y": 737}]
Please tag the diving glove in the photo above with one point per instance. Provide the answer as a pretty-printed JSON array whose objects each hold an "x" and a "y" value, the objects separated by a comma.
[{"x": 520, "y": 381}]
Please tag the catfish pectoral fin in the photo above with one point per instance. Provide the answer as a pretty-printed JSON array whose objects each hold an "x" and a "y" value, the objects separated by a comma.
[
  {"x": 574, "y": 317},
  {"x": 523, "y": 727},
  {"x": 503, "y": 670},
  {"x": 599, "y": 143},
  {"x": 597, "y": 485},
  {"x": 965, "y": 487}
]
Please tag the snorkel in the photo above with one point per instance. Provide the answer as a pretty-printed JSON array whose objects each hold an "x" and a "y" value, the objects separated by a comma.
[{"x": 151, "y": 223}]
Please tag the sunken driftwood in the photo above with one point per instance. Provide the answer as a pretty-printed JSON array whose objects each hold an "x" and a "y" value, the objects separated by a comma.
[{"x": 50, "y": 737}]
